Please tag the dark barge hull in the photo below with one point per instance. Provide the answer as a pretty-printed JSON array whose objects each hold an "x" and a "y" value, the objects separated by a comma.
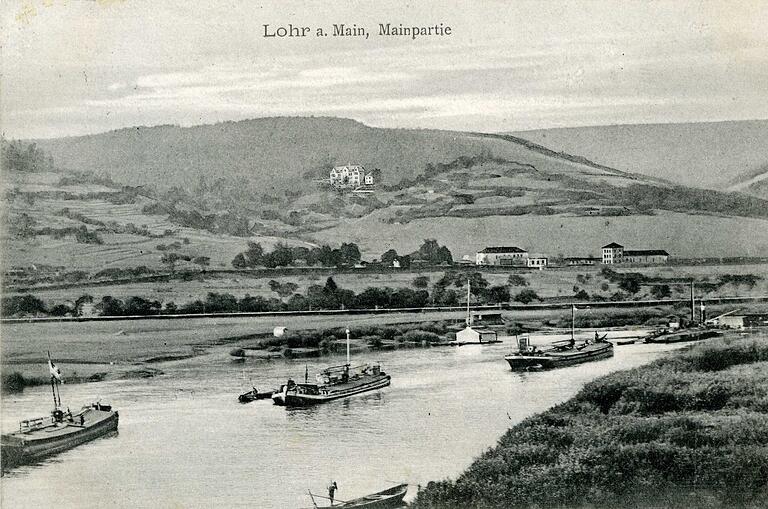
[
  {"x": 21, "y": 448},
  {"x": 293, "y": 399},
  {"x": 557, "y": 359},
  {"x": 683, "y": 336}
]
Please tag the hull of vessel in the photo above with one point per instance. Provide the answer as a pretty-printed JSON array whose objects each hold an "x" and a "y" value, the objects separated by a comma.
[
  {"x": 26, "y": 447},
  {"x": 293, "y": 398},
  {"x": 548, "y": 360}
]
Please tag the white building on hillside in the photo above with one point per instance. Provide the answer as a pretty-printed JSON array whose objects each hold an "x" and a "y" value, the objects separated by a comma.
[{"x": 352, "y": 175}]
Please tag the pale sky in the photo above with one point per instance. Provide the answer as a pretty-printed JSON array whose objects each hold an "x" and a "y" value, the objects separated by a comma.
[{"x": 82, "y": 66}]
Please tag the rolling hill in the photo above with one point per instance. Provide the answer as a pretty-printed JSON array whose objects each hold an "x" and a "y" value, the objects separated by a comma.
[
  {"x": 706, "y": 154},
  {"x": 209, "y": 189},
  {"x": 270, "y": 154}
]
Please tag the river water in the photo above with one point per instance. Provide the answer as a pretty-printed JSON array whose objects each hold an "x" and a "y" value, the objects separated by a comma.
[{"x": 185, "y": 441}]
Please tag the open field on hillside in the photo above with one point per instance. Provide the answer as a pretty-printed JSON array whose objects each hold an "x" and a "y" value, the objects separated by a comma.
[
  {"x": 682, "y": 235},
  {"x": 117, "y": 249}
]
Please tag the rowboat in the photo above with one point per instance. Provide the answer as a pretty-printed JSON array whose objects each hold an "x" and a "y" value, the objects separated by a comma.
[
  {"x": 254, "y": 395},
  {"x": 385, "y": 499}
]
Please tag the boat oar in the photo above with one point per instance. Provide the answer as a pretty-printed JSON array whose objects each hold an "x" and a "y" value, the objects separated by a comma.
[
  {"x": 313, "y": 499},
  {"x": 327, "y": 498}
]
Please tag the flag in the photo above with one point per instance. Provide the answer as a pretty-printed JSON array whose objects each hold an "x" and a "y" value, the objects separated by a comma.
[{"x": 54, "y": 369}]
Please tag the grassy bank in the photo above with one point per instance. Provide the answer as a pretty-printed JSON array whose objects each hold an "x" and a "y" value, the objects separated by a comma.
[{"x": 689, "y": 430}]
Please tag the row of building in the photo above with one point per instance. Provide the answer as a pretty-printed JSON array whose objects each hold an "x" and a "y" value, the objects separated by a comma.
[{"x": 612, "y": 253}]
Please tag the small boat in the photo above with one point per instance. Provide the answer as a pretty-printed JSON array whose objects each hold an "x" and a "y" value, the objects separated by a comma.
[
  {"x": 62, "y": 430},
  {"x": 385, "y": 499},
  {"x": 626, "y": 342},
  {"x": 332, "y": 383},
  {"x": 562, "y": 353},
  {"x": 254, "y": 395}
]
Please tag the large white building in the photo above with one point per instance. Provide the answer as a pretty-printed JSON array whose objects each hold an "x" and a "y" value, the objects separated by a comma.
[
  {"x": 350, "y": 175},
  {"x": 501, "y": 255},
  {"x": 615, "y": 253}
]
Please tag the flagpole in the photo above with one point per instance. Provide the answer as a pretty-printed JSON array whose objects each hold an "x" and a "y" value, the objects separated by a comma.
[
  {"x": 469, "y": 293},
  {"x": 348, "y": 363},
  {"x": 573, "y": 319}
]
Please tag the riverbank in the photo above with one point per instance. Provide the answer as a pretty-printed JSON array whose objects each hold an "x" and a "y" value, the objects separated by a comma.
[
  {"x": 687, "y": 430},
  {"x": 108, "y": 350}
]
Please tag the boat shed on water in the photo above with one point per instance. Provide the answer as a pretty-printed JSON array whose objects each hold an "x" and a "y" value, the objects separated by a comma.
[{"x": 476, "y": 335}]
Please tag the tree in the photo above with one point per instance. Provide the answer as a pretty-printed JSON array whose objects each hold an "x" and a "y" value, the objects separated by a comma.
[
  {"x": 202, "y": 261},
  {"x": 421, "y": 282},
  {"x": 477, "y": 283},
  {"x": 405, "y": 261},
  {"x": 527, "y": 296},
  {"x": 515, "y": 280},
  {"x": 349, "y": 253},
  {"x": 661, "y": 291},
  {"x": 390, "y": 256},
  {"x": 170, "y": 259},
  {"x": 581, "y": 295},
  {"x": 497, "y": 294},
  {"x": 253, "y": 254},
  {"x": 110, "y": 306},
  {"x": 283, "y": 289},
  {"x": 631, "y": 283},
  {"x": 330, "y": 286},
  {"x": 22, "y": 305},
  {"x": 240, "y": 262},
  {"x": 80, "y": 302},
  {"x": 433, "y": 253}
]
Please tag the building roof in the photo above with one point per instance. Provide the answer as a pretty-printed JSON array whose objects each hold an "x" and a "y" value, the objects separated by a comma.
[
  {"x": 646, "y": 252},
  {"x": 581, "y": 258},
  {"x": 503, "y": 249},
  {"x": 349, "y": 167},
  {"x": 612, "y": 245}
]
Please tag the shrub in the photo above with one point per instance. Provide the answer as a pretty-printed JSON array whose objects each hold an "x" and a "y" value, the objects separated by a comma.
[
  {"x": 418, "y": 336},
  {"x": 527, "y": 296},
  {"x": 515, "y": 280}
]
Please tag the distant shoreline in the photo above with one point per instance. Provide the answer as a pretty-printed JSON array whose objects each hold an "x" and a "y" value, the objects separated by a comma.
[{"x": 435, "y": 309}]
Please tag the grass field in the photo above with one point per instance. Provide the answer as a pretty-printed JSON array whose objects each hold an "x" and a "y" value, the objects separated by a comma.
[
  {"x": 546, "y": 283},
  {"x": 682, "y": 235}
]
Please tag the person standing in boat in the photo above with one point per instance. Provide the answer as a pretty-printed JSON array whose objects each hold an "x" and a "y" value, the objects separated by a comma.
[{"x": 332, "y": 490}]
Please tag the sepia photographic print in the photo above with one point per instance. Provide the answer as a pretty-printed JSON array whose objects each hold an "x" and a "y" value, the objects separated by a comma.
[{"x": 384, "y": 254}]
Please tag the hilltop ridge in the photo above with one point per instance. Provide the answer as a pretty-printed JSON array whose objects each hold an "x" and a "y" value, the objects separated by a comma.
[{"x": 698, "y": 154}]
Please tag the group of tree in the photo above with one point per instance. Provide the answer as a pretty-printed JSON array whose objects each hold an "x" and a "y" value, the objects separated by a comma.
[
  {"x": 346, "y": 255},
  {"x": 29, "y": 305},
  {"x": 283, "y": 255},
  {"x": 26, "y": 157},
  {"x": 327, "y": 296}
]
